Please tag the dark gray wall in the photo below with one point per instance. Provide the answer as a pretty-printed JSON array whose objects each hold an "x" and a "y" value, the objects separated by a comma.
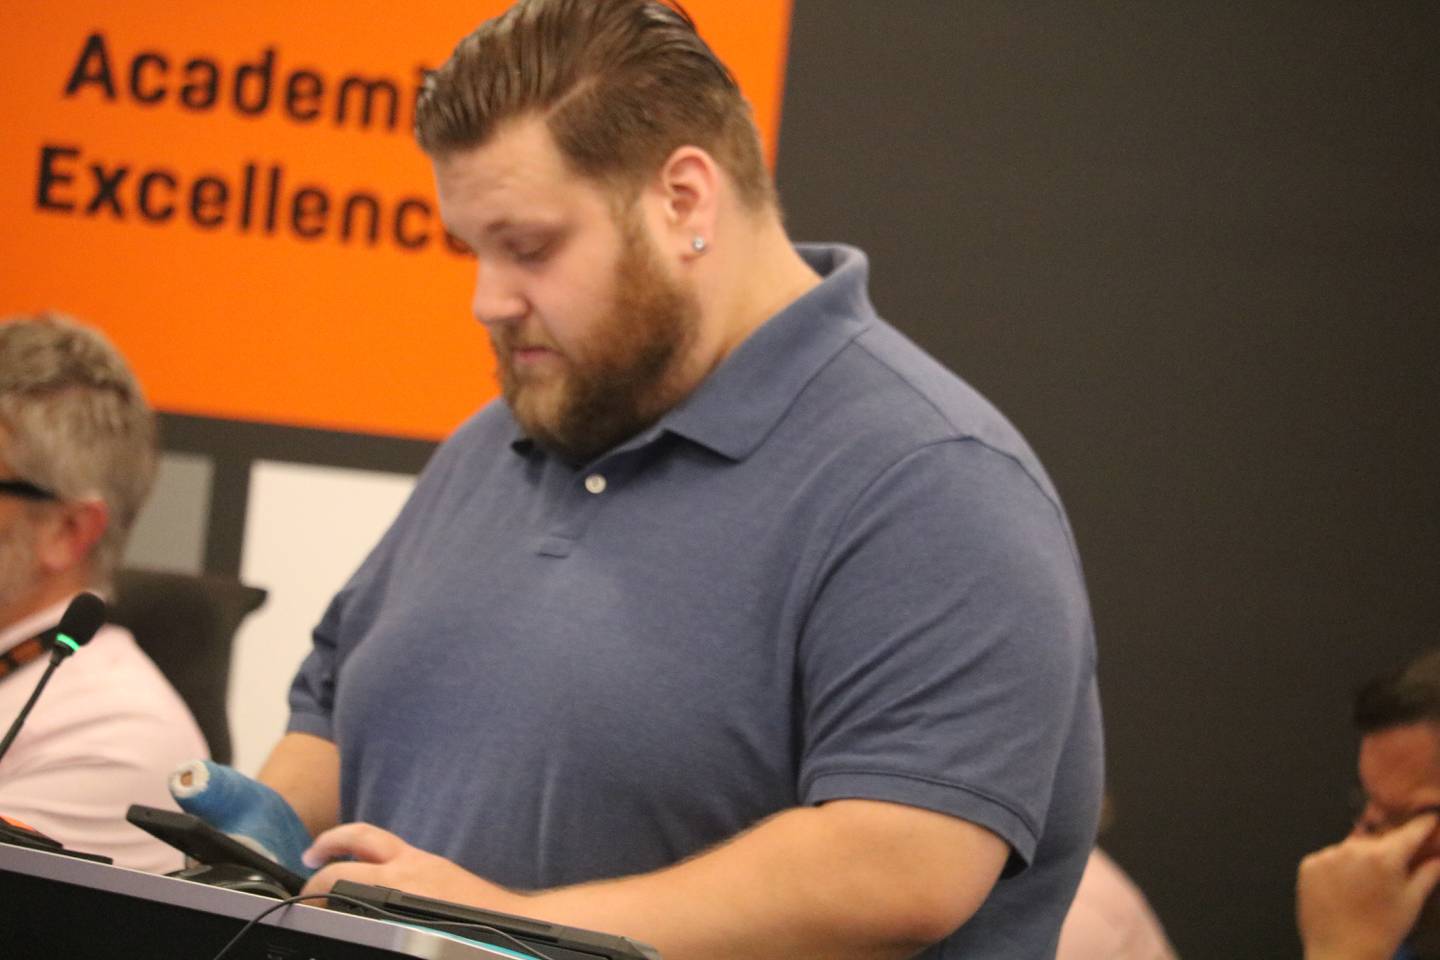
[{"x": 1193, "y": 250}]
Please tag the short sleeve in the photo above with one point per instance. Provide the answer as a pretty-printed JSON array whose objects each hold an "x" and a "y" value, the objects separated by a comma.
[
  {"x": 312, "y": 693},
  {"x": 948, "y": 644}
]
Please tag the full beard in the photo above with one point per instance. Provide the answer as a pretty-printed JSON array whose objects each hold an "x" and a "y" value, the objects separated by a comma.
[{"x": 628, "y": 372}]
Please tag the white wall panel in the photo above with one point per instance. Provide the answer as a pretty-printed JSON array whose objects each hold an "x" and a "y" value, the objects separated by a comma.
[{"x": 306, "y": 530}]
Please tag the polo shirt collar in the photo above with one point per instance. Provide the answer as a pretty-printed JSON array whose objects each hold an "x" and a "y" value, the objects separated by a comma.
[{"x": 734, "y": 409}]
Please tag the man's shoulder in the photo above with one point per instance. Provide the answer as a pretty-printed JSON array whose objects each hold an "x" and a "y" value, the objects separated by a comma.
[
  {"x": 114, "y": 665},
  {"x": 482, "y": 438},
  {"x": 885, "y": 394},
  {"x": 112, "y": 690},
  {"x": 925, "y": 392},
  {"x": 871, "y": 368}
]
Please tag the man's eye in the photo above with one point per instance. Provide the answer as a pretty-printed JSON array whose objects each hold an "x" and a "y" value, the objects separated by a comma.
[{"x": 530, "y": 252}]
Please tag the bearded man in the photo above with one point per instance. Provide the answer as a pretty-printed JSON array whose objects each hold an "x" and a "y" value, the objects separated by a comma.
[{"x": 740, "y": 626}]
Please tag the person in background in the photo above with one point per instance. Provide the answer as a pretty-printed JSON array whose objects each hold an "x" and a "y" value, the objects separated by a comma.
[
  {"x": 1372, "y": 896},
  {"x": 1110, "y": 919},
  {"x": 77, "y": 457}
]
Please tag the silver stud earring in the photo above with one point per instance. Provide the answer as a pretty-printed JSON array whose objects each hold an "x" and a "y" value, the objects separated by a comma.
[{"x": 698, "y": 244}]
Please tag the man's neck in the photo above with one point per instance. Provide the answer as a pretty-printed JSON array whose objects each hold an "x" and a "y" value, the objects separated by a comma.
[
  {"x": 757, "y": 274},
  {"x": 42, "y": 596}
]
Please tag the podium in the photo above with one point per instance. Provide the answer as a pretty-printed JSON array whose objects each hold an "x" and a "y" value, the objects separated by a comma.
[{"x": 54, "y": 906}]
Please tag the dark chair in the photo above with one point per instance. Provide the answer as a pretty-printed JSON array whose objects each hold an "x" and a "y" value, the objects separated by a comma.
[{"x": 186, "y": 624}]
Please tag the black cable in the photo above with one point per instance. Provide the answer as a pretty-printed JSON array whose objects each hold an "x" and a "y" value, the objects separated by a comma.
[
  {"x": 440, "y": 925},
  {"x": 262, "y": 915},
  {"x": 29, "y": 705}
]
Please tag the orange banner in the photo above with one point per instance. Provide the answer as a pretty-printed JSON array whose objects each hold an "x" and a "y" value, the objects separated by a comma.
[{"x": 232, "y": 192}]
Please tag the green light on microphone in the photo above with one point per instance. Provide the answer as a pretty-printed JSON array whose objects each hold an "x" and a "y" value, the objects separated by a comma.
[{"x": 61, "y": 638}]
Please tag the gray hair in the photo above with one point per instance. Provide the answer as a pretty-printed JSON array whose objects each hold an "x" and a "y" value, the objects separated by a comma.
[{"x": 77, "y": 423}]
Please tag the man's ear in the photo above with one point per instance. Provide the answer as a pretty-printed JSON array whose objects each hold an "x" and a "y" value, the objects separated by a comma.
[
  {"x": 67, "y": 537},
  {"x": 689, "y": 186}
]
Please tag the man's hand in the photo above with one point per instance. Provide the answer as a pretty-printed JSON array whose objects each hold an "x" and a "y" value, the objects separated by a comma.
[
  {"x": 383, "y": 859},
  {"x": 853, "y": 879},
  {"x": 1358, "y": 899}
]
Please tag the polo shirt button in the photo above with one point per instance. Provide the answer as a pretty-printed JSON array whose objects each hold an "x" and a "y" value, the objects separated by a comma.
[{"x": 595, "y": 483}]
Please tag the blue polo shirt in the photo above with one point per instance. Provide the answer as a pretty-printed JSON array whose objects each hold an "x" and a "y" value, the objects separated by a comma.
[{"x": 833, "y": 571}]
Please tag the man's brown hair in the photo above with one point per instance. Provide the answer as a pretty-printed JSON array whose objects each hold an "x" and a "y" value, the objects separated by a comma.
[{"x": 621, "y": 84}]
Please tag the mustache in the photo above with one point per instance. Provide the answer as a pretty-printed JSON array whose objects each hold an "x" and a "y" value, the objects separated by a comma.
[{"x": 506, "y": 341}]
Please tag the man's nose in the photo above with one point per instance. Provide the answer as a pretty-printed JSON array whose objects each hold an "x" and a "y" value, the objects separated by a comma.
[{"x": 497, "y": 298}]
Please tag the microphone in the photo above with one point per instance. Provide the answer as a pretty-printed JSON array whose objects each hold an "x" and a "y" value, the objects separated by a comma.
[
  {"x": 80, "y": 622},
  {"x": 78, "y": 625}
]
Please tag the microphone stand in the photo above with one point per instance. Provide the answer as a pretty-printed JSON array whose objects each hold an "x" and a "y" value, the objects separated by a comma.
[{"x": 63, "y": 647}]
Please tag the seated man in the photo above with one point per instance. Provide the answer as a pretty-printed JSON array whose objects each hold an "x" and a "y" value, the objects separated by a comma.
[
  {"x": 1372, "y": 895},
  {"x": 77, "y": 455}
]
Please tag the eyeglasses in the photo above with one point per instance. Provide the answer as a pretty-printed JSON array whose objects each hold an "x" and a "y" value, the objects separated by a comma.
[{"x": 25, "y": 490}]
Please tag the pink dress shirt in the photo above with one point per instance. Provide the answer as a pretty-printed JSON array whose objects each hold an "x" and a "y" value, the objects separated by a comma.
[
  {"x": 105, "y": 733},
  {"x": 1110, "y": 918}
]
